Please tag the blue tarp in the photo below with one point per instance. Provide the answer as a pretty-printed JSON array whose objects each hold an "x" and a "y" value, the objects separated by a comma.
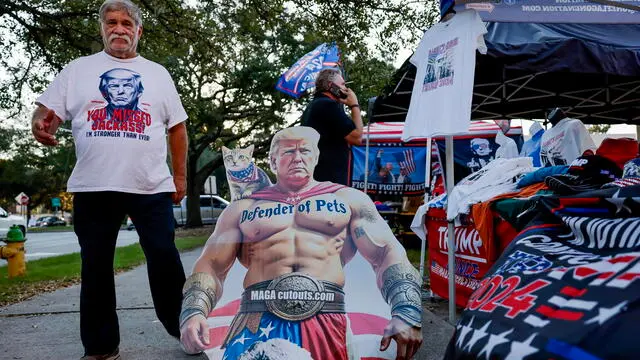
[
  {"x": 592, "y": 71},
  {"x": 581, "y": 48}
]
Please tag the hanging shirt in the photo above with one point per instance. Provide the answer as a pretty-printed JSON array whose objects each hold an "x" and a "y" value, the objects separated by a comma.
[
  {"x": 564, "y": 142},
  {"x": 443, "y": 87},
  {"x": 531, "y": 147},
  {"x": 120, "y": 110},
  {"x": 508, "y": 148}
]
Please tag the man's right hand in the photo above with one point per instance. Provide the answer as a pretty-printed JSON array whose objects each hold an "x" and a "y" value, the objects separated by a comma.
[
  {"x": 194, "y": 335},
  {"x": 351, "y": 98},
  {"x": 44, "y": 128}
]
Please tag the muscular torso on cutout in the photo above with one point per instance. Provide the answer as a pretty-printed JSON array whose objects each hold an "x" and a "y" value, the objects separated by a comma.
[{"x": 279, "y": 238}]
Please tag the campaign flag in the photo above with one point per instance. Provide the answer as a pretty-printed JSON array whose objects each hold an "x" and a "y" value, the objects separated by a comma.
[
  {"x": 567, "y": 287},
  {"x": 302, "y": 75}
]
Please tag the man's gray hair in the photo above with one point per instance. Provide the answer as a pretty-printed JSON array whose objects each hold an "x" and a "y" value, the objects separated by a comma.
[
  {"x": 121, "y": 5},
  {"x": 325, "y": 78}
]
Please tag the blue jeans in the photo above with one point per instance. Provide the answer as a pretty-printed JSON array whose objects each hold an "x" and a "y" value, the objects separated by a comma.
[{"x": 97, "y": 219}]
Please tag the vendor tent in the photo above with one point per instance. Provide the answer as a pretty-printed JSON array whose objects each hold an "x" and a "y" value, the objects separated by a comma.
[{"x": 592, "y": 71}]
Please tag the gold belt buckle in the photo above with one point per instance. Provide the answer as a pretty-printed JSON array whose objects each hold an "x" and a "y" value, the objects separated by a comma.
[{"x": 296, "y": 296}]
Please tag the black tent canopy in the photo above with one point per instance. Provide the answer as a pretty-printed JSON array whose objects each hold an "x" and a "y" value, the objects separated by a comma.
[{"x": 592, "y": 71}]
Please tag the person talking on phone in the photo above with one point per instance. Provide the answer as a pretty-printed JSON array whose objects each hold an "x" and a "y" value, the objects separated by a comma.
[{"x": 326, "y": 114}]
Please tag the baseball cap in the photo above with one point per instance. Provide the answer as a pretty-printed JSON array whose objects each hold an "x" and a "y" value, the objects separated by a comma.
[
  {"x": 630, "y": 175},
  {"x": 586, "y": 173},
  {"x": 618, "y": 150}
]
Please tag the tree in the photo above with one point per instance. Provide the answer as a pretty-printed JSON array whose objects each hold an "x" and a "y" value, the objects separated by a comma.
[
  {"x": 37, "y": 171},
  {"x": 225, "y": 57},
  {"x": 599, "y": 129}
]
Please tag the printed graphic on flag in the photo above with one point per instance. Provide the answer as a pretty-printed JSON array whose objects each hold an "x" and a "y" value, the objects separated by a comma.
[
  {"x": 406, "y": 161},
  {"x": 367, "y": 313}
]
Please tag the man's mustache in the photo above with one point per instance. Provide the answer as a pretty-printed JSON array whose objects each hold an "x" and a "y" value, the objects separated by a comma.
[{"x": 123, "y": 37}]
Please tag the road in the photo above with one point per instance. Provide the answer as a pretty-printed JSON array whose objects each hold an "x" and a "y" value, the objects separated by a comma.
[{"x": 40, "y": 245}]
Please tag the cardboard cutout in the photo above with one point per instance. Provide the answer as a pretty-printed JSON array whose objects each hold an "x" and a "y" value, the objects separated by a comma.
[{"x": 303, "y": 286}]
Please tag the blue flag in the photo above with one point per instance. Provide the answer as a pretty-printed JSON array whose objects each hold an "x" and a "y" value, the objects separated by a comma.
[{"x": 302, "y": 75}]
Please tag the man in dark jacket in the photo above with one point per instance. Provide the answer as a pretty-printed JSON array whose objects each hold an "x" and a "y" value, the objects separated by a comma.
[{"x": 337, "y": 130}]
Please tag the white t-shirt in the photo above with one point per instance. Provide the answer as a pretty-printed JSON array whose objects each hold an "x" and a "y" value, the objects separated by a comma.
[
  {"x": 120, "y": 111},
  {"x": 443, "y": 87},
  {"x": 565, "y": 142},
  {"x": 508, "y": 148}
]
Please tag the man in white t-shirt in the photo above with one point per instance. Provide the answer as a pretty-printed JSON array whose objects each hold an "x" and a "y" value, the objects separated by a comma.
[{"x": 121, "y": 107}]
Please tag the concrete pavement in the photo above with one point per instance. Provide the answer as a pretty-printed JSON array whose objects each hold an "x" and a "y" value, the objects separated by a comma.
[{"x": 47, "y": 326}]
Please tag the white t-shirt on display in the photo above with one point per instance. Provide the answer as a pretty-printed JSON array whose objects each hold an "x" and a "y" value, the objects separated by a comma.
[
  {"x": 443, "y": 87},
  {"x": 508, "y": 148},
  {"x": 565, "y": 142},
  {"x": 120, "y": 111}
]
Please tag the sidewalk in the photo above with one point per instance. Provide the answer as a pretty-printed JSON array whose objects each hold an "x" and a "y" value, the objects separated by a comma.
[{"x": 47, "y": 326}]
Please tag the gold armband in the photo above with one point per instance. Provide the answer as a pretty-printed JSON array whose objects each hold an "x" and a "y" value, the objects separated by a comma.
[{"x": 199, "y": 296}]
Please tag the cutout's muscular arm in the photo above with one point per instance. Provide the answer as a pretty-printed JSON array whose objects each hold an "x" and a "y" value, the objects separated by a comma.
[
  {"x": 222, "y": 247},
  {"x": 203, "y": 288},
  {"x": 372, "y": 236},
  {"x": 397, "y": 279}
]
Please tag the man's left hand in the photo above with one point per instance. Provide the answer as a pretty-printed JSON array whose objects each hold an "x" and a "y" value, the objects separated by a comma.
[
  {"x": 181, "y": 189},
  {"x": 408, "y": 338}
]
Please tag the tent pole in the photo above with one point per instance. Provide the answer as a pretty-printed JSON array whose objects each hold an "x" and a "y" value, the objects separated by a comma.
[
  {"x": 366, "y": 159},
  {"x": 427, "y": 183},
  {"x": 451, "y": 233}
]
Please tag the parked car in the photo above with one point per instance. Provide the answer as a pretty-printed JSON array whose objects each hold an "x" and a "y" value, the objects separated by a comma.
[
  {"x": 7, "y": 220},
  {"x": 46, "y": 221},
  {"x": 210, "y": 209}
]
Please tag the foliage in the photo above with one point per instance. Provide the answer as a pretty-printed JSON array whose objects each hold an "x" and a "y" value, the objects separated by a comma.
[
  {"x": 225, "y": 58},
  {"x": 38, "y": 171},
  {"x": 599, "y": 129}
]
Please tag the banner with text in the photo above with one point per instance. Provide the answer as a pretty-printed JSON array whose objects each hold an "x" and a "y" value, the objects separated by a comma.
[
  {"x": 555, "y": 11},
  {"x": 393, "y": 169}
]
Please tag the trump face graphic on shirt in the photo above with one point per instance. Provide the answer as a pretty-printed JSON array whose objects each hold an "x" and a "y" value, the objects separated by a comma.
[{"x": 122, "y": 89}]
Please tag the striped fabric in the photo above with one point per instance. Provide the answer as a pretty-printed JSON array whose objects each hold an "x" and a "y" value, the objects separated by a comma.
[{"x": 393, "y": 130}]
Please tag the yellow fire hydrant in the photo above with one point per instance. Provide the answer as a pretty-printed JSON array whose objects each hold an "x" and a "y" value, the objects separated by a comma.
[{"x": 14, "y": 252}]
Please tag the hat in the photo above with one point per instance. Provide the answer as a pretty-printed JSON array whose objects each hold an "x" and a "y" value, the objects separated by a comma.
[
  {"x": 618, "y": 150},
  {"x": 445, "y": 5},
  {"x": 630, "y": 175},
  {"x": 586, "y": 173}
]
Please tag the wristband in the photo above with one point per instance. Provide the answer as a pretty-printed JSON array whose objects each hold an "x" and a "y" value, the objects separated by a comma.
[{"x": 354, "y": 106}]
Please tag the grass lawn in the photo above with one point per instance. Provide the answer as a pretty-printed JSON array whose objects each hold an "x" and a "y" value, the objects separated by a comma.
[
  {"x": 49, "y": 229},
  {"x": 58, "y": 271},
  {"x": 414, "y": 256}
]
